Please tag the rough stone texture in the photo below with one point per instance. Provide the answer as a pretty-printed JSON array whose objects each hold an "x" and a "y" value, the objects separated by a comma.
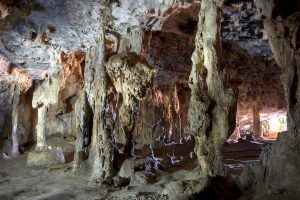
[
  {"x": 143, "y": 15},
  {"x": 7, "y": 86},
  {"x": 101, "y": 154},
  {"x": 57, "y": 24},
  {"x": 167, "y": 102},
  {"x": 13, "y": 12},
  {"x": 139, "y": 178},
  {"x": 251, "y": 69},
  {"x": 129, "y": 167},
  {"x": 177, "y": 21},
  {"x": 242, "y": 26},
  {"x": 131, "y": 79},
  {"x": 168, "y": 99},
  {"x": 277, "y": 171},
  {"x": 83, "y": 127},
  {"x": 211, "y": 103},
  {"x": 46, "y": 157},
  {"x": 52, "y": 97},
  {"x": 184, "y": 189},
  {"x": 178, "y": 185},
  {"x": 30, "y": 43}
]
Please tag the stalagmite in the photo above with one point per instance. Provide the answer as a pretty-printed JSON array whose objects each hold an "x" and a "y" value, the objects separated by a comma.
[{"x": 212, "y": 112}]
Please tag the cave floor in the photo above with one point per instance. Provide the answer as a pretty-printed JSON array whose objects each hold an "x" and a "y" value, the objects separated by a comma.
[
  {"x": 237, "y": 155},
  {"x": 20, "y": 182}
]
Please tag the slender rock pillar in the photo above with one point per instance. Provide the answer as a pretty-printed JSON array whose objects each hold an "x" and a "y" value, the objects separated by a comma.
[
  {"x": 256, "y": 122},
  {"x": 101, "y": 155},
  {"x": 15, "y": 116},
  {"x": 40, "y": 129}
]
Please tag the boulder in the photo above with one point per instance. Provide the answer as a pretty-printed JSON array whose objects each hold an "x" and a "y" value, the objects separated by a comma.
[{"x": 46, "y": 157}]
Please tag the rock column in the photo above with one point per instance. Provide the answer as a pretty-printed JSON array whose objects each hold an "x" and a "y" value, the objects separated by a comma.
[
  {"x": 41, "y": 127},
  {"x": 15, "y": 121},
  {"x": 101, "y": 154},
  {"x": 256, "y": 122},
  {"x": 211, "y": 116},
  {"x": 83, "y": 127}
]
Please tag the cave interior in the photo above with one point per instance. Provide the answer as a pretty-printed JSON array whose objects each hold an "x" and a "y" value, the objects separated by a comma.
[{"x": 135, "y": 99}]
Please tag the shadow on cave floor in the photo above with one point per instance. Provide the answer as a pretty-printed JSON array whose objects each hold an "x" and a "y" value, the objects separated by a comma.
[{"x": 219, "y": 188}]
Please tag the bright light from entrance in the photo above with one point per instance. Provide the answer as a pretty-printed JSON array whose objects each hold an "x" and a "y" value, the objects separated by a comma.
[
  {"x": 277, "y": 123},
  {"x": 273, "y": 123}
]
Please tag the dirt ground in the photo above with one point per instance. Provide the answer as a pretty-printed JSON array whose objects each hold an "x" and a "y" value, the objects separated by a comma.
[{"x": 19, "y": 182}]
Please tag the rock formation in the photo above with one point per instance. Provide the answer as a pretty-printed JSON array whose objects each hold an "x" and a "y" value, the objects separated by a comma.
[
  {"x": 212, "y": 106},
  {"x": 131, "y": 79}
]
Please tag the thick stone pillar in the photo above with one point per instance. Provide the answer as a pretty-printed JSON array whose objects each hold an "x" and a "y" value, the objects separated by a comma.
[
  {"x": 46, "y": 94},
  {"x": 211, "y": 117},
  {"x": 131, "y": 79}
]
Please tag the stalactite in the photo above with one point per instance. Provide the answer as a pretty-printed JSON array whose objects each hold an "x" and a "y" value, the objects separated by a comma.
[{"x": 128, "y": 119}]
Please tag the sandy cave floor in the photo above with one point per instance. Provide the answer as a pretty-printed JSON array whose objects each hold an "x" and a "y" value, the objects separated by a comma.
[{"x": 20, "y": 182}]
